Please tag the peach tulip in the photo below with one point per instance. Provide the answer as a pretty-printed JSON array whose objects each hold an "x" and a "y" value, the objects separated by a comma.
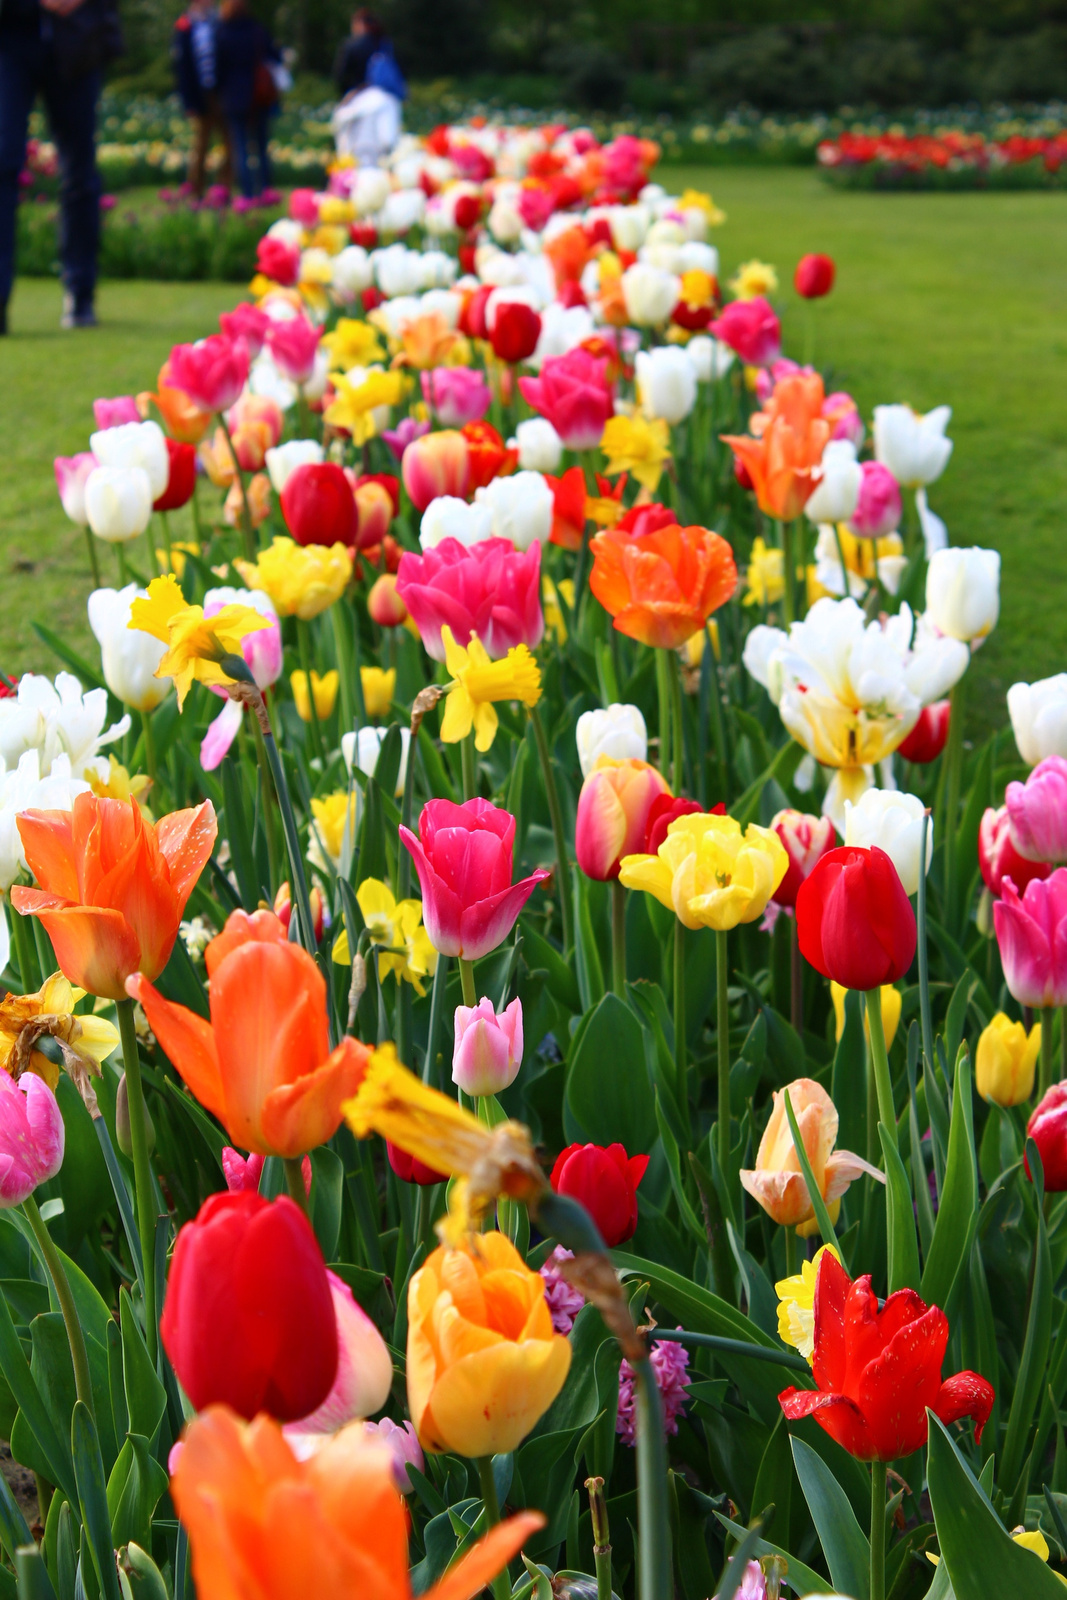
[
  {"x": 777, "y": 1182},
  {"x": 613, "y": 810}
]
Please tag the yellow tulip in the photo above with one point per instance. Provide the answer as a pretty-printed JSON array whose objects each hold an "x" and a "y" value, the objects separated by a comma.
[
  {"x": 333, "y": 814},
  {"x": 334, "y": 211},
  {"x": 379, "y": 686},
  {"x": 892, "y": 1000},
  {"x": 483, "y": 1362},
  {"x": 302, "y": 580},
  {"x": 1005, "y": 1061},
  {"x": 478, "y": 681},
  {"x": 709, "y": 872},
  {"x": 324, "y": 689},
  {"x": 638, "y": 445},
  {"x": 765, "y": 577}
]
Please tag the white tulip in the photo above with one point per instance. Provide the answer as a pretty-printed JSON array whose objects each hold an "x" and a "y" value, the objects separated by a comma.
[
  {"x": 118, "y": 502},
  {"x": 650, "y": 295},
  {"x": 836, "y": 494},
  {"x": 914, "y": 448},
  {"x": 629, "y": 225},
  {"x": 402, "y": 210},
  {"x": 283, "y": 460},
  {"x": 23, "y": 788},
  {"x": 129, "y": 657},
  {"x": 563, "y": 328},
  {"x": 369, "y": 190},
  {"x": 963, "y": 592},
  {"x": 289, "y": 232},
  {"x": 710, "y": 357},
  {"x": 352, "y": 271},
  {"x": 56, "y": 720},
  {"x": 666, "y": 383},
  {"x": 269, "y": 382},
  {"x": 539, "y": 445},
  {"x": 893, "y": 821},
  {"x": 521, "y": 508},
  {"x": 504, "y": 221},
  {"x": 366, "y": 746},
  {"x": 397, "y": 270},
  {"x": 449, "y": 518},
  {"x": 935, "y": 534},
  {"x": 436, "y": 270},
  {"x": 1038, "y": 713},
  {"x": 617, "y": 731},
  {"x": 315, "y": 386},
  {"x": 696, "y": 257},
  {"x": 135, "y": 444}
]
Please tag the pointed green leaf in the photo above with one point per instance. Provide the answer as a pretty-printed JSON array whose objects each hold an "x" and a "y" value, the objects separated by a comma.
[
  {"x": 1030, "y": 1379},
  {"x": 959, "y": 1197},
  {"x": 33, "y": 1412},
  {"x": 628, "y": 1114},
  {"x": 845, "y": 1545},
  {"x": 32, "y": 1575},
  {"x": 133, "y": 1491},
  {"x": 92, "y": 1499},
  {"x": 900, "y": 1218},
  {"x": 146, "y": 1398}
]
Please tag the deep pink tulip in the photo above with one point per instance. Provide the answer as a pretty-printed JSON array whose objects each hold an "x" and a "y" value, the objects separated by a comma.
[
  {"x": 304, "y": 207},
  {"x": 752, "y": 331},
  {"x": 244, "y": 1172},
  {"x": 878, "y": 508},
  {"x": 212, "y": 373},
  {"x": 488, "y": 1049},
  {"x": 1032, "y": 935},
  {"x": 31, "y": 1136},
  {"x": 456, "y": 395},
  {"x": 113, "y": 413},
  {"x": 573, "y": 393},
  {"x": 463, "y": 859},
  {"x": 436, "y": 464},
  {"x": 72, "y": 474},
  {"x": 293, "y": 345},
  {"x": 246, "y": 322},
  {"x": 613, "y": 812},
  {"x": 1037, "y": 812},
  {"x": 491, "y": 589},
  {"x": 998, "y": 857},
  {"x": 278, "y": 261},
  {"x": 1047, "y": 1127},
  {"x": 400, "y": 437},
  {"x": 843, "y": 415}
]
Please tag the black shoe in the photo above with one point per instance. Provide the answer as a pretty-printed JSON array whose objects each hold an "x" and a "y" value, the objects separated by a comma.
[{"x": 75, "y": 316}]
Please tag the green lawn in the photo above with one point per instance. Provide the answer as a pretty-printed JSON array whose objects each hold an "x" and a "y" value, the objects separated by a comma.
[{"x": 940, "y": 298}]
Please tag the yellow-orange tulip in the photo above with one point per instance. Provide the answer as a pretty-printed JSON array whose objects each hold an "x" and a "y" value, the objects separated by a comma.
[
  {"x": 1005, "y": 1059},
  {"x": 777, "y": 1183}
]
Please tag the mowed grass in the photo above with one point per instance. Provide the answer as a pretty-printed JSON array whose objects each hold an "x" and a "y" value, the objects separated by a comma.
[{"x": 940, "y": 298}]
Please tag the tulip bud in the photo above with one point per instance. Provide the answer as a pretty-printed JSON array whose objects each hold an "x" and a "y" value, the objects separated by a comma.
[
  {"x": 123, "y": 1131},
  {"x": 374, "y": 513},
  {"x": 806, "y": 840},
  {"x": 878, "y": 506},
  {"x": 404, "y": 1443},
  {"x": 1005, "y": 1061},
  {"x": 963, "y": 592},
  {"x": 283, "y": 908},
  {"x": 617, "y": 731},
  {"x": 814, "y": 276},
  {"x": 145, "y": 1579},
  {"x": 384, "y": 605},
  {"x": 31, "y": 1136},
  {"x": 488, "y": 1048}
]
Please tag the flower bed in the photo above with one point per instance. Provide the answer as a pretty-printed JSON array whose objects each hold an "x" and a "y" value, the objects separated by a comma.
[
  {"x": 950, "y": 159},
  {"x": 522, "y": 845}
]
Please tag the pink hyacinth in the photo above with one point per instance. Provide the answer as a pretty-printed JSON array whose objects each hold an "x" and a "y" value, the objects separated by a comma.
[
  {"x": 246, "y": 322},
  {"x": 752, "y": 331},
  {"x": 31, "y": 1136},
  {"x": 404, "y": 1443},
  {"x": 753, "y": 1584},
  {"x": 212, "y": 373},
  {"x": 113, "y": 413},
  {"x": 574, "y": 394},
  {"x": 878, "y": 507},
  {"x": 1032, "y": 934},
  {"x": 72, "y": 474},
  {"x": 294, "y": 345},
  {"x": 1037, "y": 810},
  {"x": 670, "y": 1363},
  {"x": 457, "y": 395},
  {"x": 488, "y": 1048},
  {"x": 564, "y": 1303},
  {"x": 491, "y": 589}
]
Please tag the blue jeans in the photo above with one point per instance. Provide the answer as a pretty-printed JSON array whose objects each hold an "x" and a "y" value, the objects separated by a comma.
[
  {"x": 248, "y": 132},
  {"x": 27, "y": 68}
]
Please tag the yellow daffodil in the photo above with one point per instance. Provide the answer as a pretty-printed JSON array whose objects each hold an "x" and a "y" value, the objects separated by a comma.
[
  {"x": 754, "y": 278},
  {"x": 354, "y": 404},
  {"x": 379, "y": 686},
  {"x": 695, "y": 200},
  {"x": 603, "y": 510},
  {"x": 551, "y": 595},
  {"x": 25, "y": 1018},
  {"x": 302, "y": 580},
  {"x": 352, "y": 343},
  {"x": 478, "y": 681},
  {"x": 118, "y": 785},
  {"x": 333, "y": 827},
  {"x": 196, "y": 645},
  {"x": 324, "y": 689},
  {"x": 796, "y": 1305},
  {"x": 1033, "y": 1541},
  {"x": 179, "y": 549},
  {"x": 1005, "y": 1060},
  {"x": 765, "y": 578},
  {"x": 892, "y": 1001},
  {"x": 398, "y": 924},
  {"x": 710, "y": 873},
  {"x": 639, "y": 445}
]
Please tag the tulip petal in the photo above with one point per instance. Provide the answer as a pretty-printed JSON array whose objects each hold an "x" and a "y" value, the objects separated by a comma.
[
  {"x": 48, "y": 844},
  {"x": 843, "y": 1168},
  {"x": 966, "y": 1394},
  {"x": 841, "y": 1417},
  {"x": 96, "y": 948},
  {"x": 186, "y": 840},
  {"x": 299, "y": 1116},
  {"x": 488, "y": 1557},
  {"x": 897, "y": 1386},
  {"x": 487, "y": 923},
  {"x": 487, "y": 1402},
  {"x": 187, "y": 1040}
]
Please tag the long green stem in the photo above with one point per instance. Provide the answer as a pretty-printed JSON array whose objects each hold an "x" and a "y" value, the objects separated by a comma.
[
  {"x": 267, "y": 784},
  {"x": 56, "y": 1272},
  {"x": 663, "y": 695},
  {"x": 303, "y": 639},
  {"x": 796, "y": 978},
  {"x": 344, "y": 668},
  {"x": 1044, "y": 1082},
  {"x": 501, "y": 1584},
  {"x": 953, "y": 778},
  {"x": 248, "y": 537},
  {"x": 598, "y": 1515},
  {"x": 674, "y": 674},
  {"x": 924, "y": 960},
  {"x": 883, "y": 1082},
  {"x": 681, "y": 1058},
  {"x": 149, "y": 744},
  {"x": 437, "y": 1012},
  {"x": 555, "y": 811},
  {"x": 618, "y": 938},
  {"x": 294, "y": 1182},
  {"x": 466, "y": 978},
  {"x": 292, "y": 840},
  {"x": 722, "y": 1024},
  {"x": 789, "y": 599},
  {"x": 142, "y": 1176},
  {"x": 149, "y": 539},
  {"x": 878, "y": 1479},
  {"x": 468, "y": 759},
  {"x": 94, "y": 565},
  {"x": 654, "y": 1576}
]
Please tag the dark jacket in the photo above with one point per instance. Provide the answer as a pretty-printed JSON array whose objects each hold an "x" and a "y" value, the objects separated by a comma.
[
  {"x": 241, "y": 45},
  {"x": 350, "y": 67},
  {"x": 85, "y": 41},
  {"x": 183, "y": 61}
]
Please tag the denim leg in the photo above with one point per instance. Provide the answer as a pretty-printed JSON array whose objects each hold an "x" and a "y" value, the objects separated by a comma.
[
  {"x": 18, "y": 86},
  {"x": 71, "y": 105},
  {"x": 263, "y": 146},
  {"x": 239, "y": 132}
]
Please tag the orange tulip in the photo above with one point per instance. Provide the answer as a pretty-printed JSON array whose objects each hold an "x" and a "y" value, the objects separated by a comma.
[
  {"x": 181, "y": 419},
  {"x": 661, "y": 587},
  {"x": 785, "y": 453},
  {"x": 266, "y": 1526},
  {"x": 263, "y": 1064},
  {"x": 113, "y": 886}
]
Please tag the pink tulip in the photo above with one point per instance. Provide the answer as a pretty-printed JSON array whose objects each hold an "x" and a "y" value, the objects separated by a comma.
[
  {"x": 843, "y": 415},
  {"x": 31, "y": 1136},
  {"x": 364, "y": 1373},
  {"x": 112, "y": 413},
  {"x": 752, "y": 331},
  {"x": 456, "y": 394},
  {"x": 998, "y": 857},
  {"x": 400, "y": 437},
  {"x": 1032, "y": 935},
  {"x": 244, "y": 1172},
  {"x": 806, "y": 839},
  {"x": 574, "y": 394},
  {"x": 463, "y": 857},
  {"x": 437, "y": 464},
  {"x": 72, "y": 473},
  {"x": 246, "y": 322},
  {"x": 490, "y": 589},
  {"x": 1037, "y": 811},
  {"x": 878, "y": 508},
  {"x": 304, "y": 207},
  {"x": 488, "y": 1049},
  {"x": 262, "y": 649},
  {"x": 254, "y": 411},
  {"x": 404, "y": 1443},
  {"x": 768, "y": 377},
  {"x": 212, "y": 373},
  {"x": 613, "y": 812},
  {"x": 293, "y": 345}
]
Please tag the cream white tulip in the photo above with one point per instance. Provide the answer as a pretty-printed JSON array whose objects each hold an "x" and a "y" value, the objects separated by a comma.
[
  {"x": 539, "y": 445},
  {"x": 135, "y": 444},
  {"x": 364, "y": 746},
  {"x": 289, "y": 232},
  {"x": 913, "y": 447},
  {"x": 352, "y": 271},
  {"x": 370, "y": 190},
  {"x": 449, "y": 518},
  {"x": 402, "y": 210},
  {"x": 436, "y": 270},
  {"x": 397, "y": 270},
  {"x": 893, "y": 821},
  {"x": 963, "y": 592},
  {"x": 129, "y": 657},
  {"x": 617, "y": 731},
  {"x": 118, "y": 502},
  {"x": 650, "y": 295},
  {"x": 562, "y": 328},
  {"x": 504, "y": 221},
  {"x": 666, "y": 383},
  {"x": 283, "y": 460},
  {"x": 836, "y": 494},
  {"x": 711, "y": 358},
  {"x": 1038, "y": 713},
  {"x": 629, "y": 226},
  {"x": 520, "y": 507}
]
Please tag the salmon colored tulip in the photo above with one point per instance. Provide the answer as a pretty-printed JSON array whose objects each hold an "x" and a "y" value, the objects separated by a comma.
[
  {"x": 113, "y": 886},
  {"x": 777, "y": 1183},
  {"x": 181, "y": 418},
  {"x": 661, "y": 587},
  {"x": 785, "y": 458},
  {"x": 483, "y": 1362},
  {"x": 613, "y": 810},
  {"x": 266, "y": 1526},
  {"x": 263, "y": 1064}
]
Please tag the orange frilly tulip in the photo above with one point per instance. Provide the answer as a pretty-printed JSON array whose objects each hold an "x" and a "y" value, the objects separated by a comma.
[
  {"x": 777, "y": 1183},
  {"x": 483, "y": 1362},
  {"x": 263, "y": 1064},
  {"x": 784, "y": 455},
  {"x": 266, "y": 1526},
  {"x": 661, "y": 587},
  {"x": 181, "y": 419},
  {"x": 113, "y": 886}
]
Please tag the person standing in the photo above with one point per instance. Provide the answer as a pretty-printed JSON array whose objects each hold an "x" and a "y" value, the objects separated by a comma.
[
  {"x": 58, "y": 49},
  {"x": 193, "y": 56},
  {"x": 367, "y": 120},
  {"x": 247, "y": 64}
]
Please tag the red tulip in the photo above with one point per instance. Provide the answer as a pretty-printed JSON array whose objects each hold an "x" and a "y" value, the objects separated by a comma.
[
  {"x": 515, "y": 331},
  {"x": 605, "y": 1182},
  {"x": 182, "y": 479},
  {"x": 409, "y": 1169},
  {"x": 1048, "y": 1129},
  {"x": 664, "y": 810},
  {"x": 998, "y": 857},
  {"x": 878, "y": 1370},
  {"x": 277, "y": 261},
  {"x": 212, "y": 373},
  {"x": 472, "y": 316},
  {"x": 246, "y": 322},
  {"x": 640, "y": 520},
  {"x": 488, "y": 457},
  {"x": 463, "y": 859},
  {"x": 814, "y": 276},
  {"x": 855, "y": 924},
  {"x": 248, "y": 1320},
  {"x": 318, "y": 505},
  {"x": 807, "y": 839},
  {"x": 927, "y": 739},
  {"x": 467, "y": 210}
]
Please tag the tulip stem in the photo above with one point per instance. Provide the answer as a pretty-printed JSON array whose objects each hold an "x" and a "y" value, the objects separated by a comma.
[
  {"x": 501, "y": 1584},
  {"x": 618, "y": 938},
  {"x": 796, "y": 978},
  {"x": 468, "y": 761},
  {"x": 153, "y": 564},
  {"x": 785, "y": 531},
  {"x": 883, "y": 1082},
  {"x": 466, "y": 978},
  {"x": 878, "y": 1483},
  {"x": 953, "y": 774},
  {"x": 149, "y": 744},
  {"x": 654, "y": 1576},
  {"x": 142, "y": 1176},
  {"x": 598, "y": 1514},
  {"x": 663, "y": 695},
  {"x": 94, "y": 565},
  {"x": 678, "y": 731},
  {"x": 344, "y": 669},
  {"x": 555, "y": 811},
  {"x": 294, "y": 1182},
  {"x": 304, "y": 646},
  {"x": 267, "y": 785},
  {"x": 247, "y": 536},
  {"x": 722, "y": 1026},
  {"x": 292, "y": 841},
  {"x": 924, "y": 960},
  {"x": 1044, "y": 1082},
  {"x": 61, "y": 1283},
  {"x": 164, "y": 523},
  {"x": 120, "y": 557}
]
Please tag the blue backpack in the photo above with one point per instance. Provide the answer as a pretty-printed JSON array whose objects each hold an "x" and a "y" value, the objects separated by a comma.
[{"x": 384, "y": 73}]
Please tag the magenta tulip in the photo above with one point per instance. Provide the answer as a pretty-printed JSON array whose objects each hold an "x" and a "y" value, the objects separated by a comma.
[
  {"x": 878, "y": 508},
  {"x": 294, "y": 345},
  {"x": 752, "y": 331},
  {"x": 457, "y": 395},
  {"x": 1037, "y": 811},
  {"x": 573, "y": 393},
  {"x": 31, "y": 1136},
  {"x": 212, "y": 373},
  {"x": 490, "y": 589},
  {"x": 1032, "y": 935},
  {"x": 246, "y": 322}
]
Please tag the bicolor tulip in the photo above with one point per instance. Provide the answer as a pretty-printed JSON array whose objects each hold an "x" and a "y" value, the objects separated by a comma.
[
  {"x": 893, "y": 821},
  {"x": 613, "y": 811},
  {"x": 384, "y": 605},
  {"x": 1048, "y": 1129},
  {"x": 31, "y": 1136},
  {"x": 929, "y": 736},
  {"x": 463, "y": 858},
  {"x": 661, "y": 587},
  {"x": 364, "y": 1373},
  {"x": 492, "y": 590},
  {"x": 855, "y": 924},
  {"x": 488, "y": 1048},
  {"x": 1038, "y": 713},
  {"x": 806, "y": 839},
  {"x": 375, "y": 509},
  {"x": 710, "y": 872},
  {"x": 128, "y": 657},
  {"x": 483, "y": 1361},
  {"x": 777, "y": 1183},
  {"x": 249, "y": 1319},
  {"x": 963, "y": 592},
  {"x": 1032, "y": 934},
  {"x": 914, "y": 448},
  {"x": 113, "y": 886},
  {"x": 318, "y": 505},
  {"x": 605, "y": 1181},
  {"x": 263, "y": 1064},
  {"x": 572, "y": 392},
  {"x": 211, "y": 373},
  {"x": 752, "y": 331},
  {"x": 72, "y": 474},
  {"x": 182, "y": 418},
  {"x": 998, "y": 857},
  {"x": 814, "y": 276},
  {"x": 617, "y": 730},
  {"x": 1005, "y": 1059},
  {"x": 1037, "y": 812},
  {"x": 436, "y": 464}
]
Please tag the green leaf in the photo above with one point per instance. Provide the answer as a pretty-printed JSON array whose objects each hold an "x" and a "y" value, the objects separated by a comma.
[
  {"x": 559, "y": 977},
  {"x": 822, "y": 1216},
  {"x": 146, "y": 1398},
  {"x": 845, "y": 1545},
  {"x": 13, "y": 1527},
  {"x": 1030, "y": 1379},
  {"x": 92, "y": 1498},
  {"x": 613, "y": 1042},
  {"x": 802, "y": 1579},
  {"x": 32, "y": 1409},
  {"x": 89, "y": 676},
  {"x": 32, "y": 1575},
  {"x": 134, "y": 1489},
  {"x": 326, "y": 1197},
  {"x": 783, "y": 766},
  {"x": 958, "y": 1211},
  {"x": 586, "y": 953},
  {"x": 239, "y": 832},
  {"x": 903, "y": 1244}
]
